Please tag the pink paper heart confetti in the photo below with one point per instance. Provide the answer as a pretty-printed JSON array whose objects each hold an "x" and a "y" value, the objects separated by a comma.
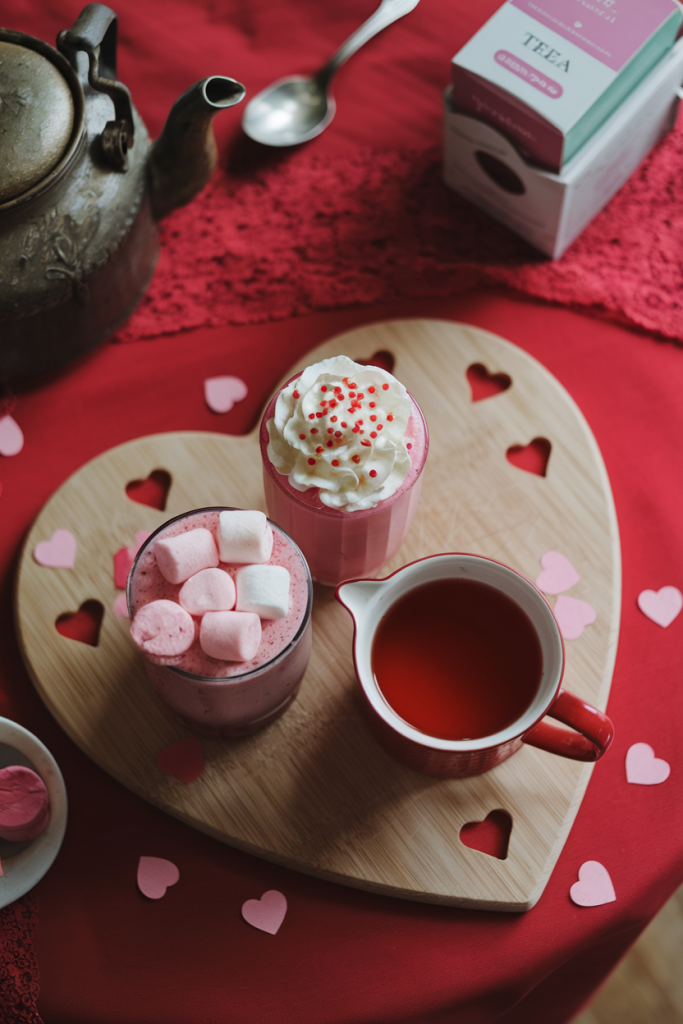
[
  {"x": 558, "y": 573},
  {"x": 120, "y": 607},
  {"x": 155, "y": 875},
  {"x": 221, "y": 393},
  {"x": 184, "y": 759},
  {"x": 594, "y": 886},
  {"x": 573, "y": 616},
  {"x": 59, "y": 552},
  {"x": 11, "y": 436},
  {"x": 662, "y": 606},
  {"x": 643, "y": 768},
  {"x": 266, "y": 914}
]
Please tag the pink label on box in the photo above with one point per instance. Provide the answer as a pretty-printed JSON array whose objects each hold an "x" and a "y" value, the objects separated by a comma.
[
  {"x": 531, "y": 75},
  {"x": 609, "y": 30}
]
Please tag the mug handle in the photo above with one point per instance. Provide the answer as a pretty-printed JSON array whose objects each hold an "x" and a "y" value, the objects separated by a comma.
[{"x": 592, "y": 735}]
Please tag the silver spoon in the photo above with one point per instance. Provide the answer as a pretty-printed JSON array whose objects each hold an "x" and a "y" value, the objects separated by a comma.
[{"x": 296, "y": 109}]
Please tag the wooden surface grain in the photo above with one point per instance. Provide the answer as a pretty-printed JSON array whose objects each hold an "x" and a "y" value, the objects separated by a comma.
[{"x": 313, "y": 790}]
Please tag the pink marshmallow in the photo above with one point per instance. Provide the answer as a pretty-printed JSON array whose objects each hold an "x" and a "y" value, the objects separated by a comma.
[
  {"x": 210, "y": 590},
  {"x": 230, "y": 636},
  {"x": 180, "y": 557},
  {"x": 24, "y": 804},
  {"x": 163, "y": 628},
  {"x": 244, "y": 536}
]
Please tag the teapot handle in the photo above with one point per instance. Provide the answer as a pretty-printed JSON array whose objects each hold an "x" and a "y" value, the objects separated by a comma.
[{"x": 94, "y": 32}]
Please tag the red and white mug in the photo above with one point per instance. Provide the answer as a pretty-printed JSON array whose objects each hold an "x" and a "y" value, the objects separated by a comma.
[{"x": 590, "y": 730}]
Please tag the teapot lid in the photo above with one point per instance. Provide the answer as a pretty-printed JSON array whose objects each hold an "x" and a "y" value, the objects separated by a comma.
[{"x": 36, "y": 118}]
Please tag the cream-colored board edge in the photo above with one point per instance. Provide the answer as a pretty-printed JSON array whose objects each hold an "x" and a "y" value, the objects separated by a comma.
[{"x": 314, "y": 791}]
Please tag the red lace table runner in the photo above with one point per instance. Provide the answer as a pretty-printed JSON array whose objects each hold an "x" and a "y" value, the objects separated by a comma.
[
  {"x": 313, "y": 234},
  {"x": 18, "y": 966}
]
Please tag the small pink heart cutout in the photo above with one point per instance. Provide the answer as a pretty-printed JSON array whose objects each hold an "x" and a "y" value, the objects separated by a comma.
[
  {"x": 11, "y": 436},
  {"x": 558, "y": 573},
  {"x": 594, "y": 886},
  {"x": 221, "y": 393},
  {"x": 155, "y": 875},
  {"x": 59, "y": 552},
  {"x": 643, "y": 768},
  {"x": 266, "y": 914},
  {"x": 662, "y": 606},
  {"x": 573, "y": 616}
]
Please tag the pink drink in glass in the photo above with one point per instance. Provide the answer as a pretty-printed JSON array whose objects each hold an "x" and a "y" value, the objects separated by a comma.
[
  {"x": 227, "y": 698},
  {"x": 340, "y": 545}
]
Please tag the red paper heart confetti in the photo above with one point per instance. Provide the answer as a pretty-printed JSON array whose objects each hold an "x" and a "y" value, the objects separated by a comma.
[
  {"x": 155, "y": 875},
  {"x": 491, "y": 836},
  {"x": 153, "y": 491},
  {"x": 573, "y": 616},
  {"x": 484, "y": 384},
  {"x": 643, "y": 768},
  {"x": 124, "y": 558},
  {"x": 533, "y": 457},
  {"x": 120, "y": 607},
  {"x": 266, "y": 914},
  {"x": 661, "y": 606},
  {"x": 221, "y": 393},
  {"x": 594, "y": 886},
  {"x": 83, "y": 625},
  {"x": 59, "y": 552},
  {"x": 558, "y": 573},
  {"x": 122, "y": 564},
  {"x": 184, "y": 759},
  {"x": 11, "y": 436}
]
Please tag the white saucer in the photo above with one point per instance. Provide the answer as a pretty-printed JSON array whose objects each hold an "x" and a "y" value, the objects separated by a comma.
[{"x": 24, "y": 864}]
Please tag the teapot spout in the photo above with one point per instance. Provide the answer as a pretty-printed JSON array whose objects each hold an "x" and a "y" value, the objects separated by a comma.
[{"x": 184, "y": 156}]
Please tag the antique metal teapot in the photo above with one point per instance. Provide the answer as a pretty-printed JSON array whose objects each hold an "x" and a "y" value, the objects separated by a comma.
[{"x": 81, "y": 189}]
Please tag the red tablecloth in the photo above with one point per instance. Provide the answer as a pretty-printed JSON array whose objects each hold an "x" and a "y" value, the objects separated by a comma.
[{"x": 104, "y": 953}]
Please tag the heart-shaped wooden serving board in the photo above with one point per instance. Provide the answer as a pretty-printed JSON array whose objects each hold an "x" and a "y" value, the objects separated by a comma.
[{"x": 314, "y": 791}]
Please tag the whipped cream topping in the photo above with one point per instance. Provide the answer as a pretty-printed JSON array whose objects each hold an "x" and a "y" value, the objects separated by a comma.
[{"x": 340, "y": 427}]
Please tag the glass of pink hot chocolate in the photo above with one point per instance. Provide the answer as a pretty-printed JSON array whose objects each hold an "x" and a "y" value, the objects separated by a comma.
[
  {"x": 343, "y": 448},
  {"x": 220, "y": 604}
]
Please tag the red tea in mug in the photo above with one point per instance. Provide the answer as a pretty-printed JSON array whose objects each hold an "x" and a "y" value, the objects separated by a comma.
[{"x": 457, "y": 659}]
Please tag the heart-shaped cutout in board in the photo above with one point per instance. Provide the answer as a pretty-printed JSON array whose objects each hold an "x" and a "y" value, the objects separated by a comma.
[
  {"x": 533, "y": 457},
  {"x": 83, "y": 625},
  {"x": 153, "y": 491},
  {"x": 484, "y": 384},
  {"x": 155, "y": 874},
  {"x": 383, "y": 359},
  {"x": 490, "y": 836},
  {"x": 184, "y": 759},
  {"x": 266, "y": 914}
]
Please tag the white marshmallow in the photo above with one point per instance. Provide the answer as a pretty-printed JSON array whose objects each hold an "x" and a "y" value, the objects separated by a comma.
[
  {"x": 244, "y": 536},
  {"x": 180, "y": 557},
  {"x": 263, "y": 589},
  {"x": 209, "y": 590},
  {"x": 230, "y": 636},
  {"x": 162, "y": 628}
]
